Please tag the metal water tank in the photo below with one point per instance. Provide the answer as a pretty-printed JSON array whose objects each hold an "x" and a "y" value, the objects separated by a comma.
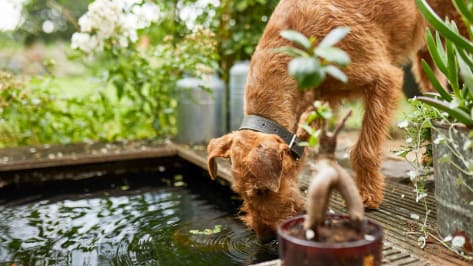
[
  {"x": 200, "y": 111},
  {"x": 238, "y": 73}
]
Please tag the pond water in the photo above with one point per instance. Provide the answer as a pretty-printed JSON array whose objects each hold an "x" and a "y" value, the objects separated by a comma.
[{"x": 145, "y": 219}]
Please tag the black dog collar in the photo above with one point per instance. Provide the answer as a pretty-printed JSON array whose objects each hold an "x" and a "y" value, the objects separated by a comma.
[{"x": 264, "y": 125}]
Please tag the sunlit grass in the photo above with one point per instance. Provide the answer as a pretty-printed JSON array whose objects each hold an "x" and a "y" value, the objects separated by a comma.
[{"x": 355, "y": 120}]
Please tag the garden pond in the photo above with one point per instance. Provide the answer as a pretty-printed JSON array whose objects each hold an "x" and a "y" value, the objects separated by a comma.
[{"x": 168, "y": 217}]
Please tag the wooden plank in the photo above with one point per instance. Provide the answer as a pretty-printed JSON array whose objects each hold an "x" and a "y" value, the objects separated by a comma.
[{"x": 394, "y": 215}]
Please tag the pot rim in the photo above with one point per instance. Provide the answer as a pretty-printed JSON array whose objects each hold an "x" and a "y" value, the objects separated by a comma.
[{"x": 378, "y": 236}]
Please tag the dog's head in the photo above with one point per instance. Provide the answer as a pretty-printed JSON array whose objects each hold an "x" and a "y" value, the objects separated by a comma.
[
  {"x": 264, "y": 174},
  {"x": 258, "y": 160}
]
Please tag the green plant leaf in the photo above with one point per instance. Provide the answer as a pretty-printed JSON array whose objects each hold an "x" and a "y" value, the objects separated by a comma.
[
  {"x": 306, "y": 71},
  {"x": 434, "y": 95},
  {"x": 463, "y": 10},
  {"x": 296, "y": 37},
  {"x": 333, "y": 55},
  {"x": 307, "y": 128},
  {"x": 291, "y": 51},
  {"x": 442, "y": 27},
  {"x": 452, "y": 64},
  {"x": 465, "y": 72},
  {"x": 435, "y": 82},
  {"x": 456, "y": 113},
  {"x": 334, "y": 36},
  {"x": 336, "y": 73},
  {"x": 437, "y": 57}
]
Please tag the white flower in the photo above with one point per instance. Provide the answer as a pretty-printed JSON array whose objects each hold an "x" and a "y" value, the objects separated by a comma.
[
  {"x": 84, "y": 41},
  {"x": 439, "y": 139},
  {"x": 467, "y": 145},
  {"x": 309, "y": 234},
  {"x": 403, "y": 124},
  {"x": 412, "y": 175},
  {"x": 409, "y": 140},
  {"x": 458, "y": 242},
  {"x": 415, "y": 216},
  {"x": 421, "y": 241},
  {"x": 113, "y": 19},
  {"x": 420, "y": 196},
  {"x": 453, "y": 104}
]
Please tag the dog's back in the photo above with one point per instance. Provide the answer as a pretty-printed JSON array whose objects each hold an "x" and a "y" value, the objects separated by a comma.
[{"x": 384, "y": 35}]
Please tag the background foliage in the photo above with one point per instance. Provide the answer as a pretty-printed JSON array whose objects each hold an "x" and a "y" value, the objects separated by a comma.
[{"x": 134, "y": 94}]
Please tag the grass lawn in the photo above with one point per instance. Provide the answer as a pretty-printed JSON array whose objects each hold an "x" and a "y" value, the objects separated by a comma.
[{"x": 354, "y": 122}]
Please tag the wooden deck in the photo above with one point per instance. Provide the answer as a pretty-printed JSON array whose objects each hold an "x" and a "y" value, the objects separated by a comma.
[{"x": 395, "y": 215}]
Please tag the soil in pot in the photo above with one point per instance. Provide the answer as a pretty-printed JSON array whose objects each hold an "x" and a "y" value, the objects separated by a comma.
[
  {"x": 332, "y": 231},
  {"x": 339, "y": 241}
]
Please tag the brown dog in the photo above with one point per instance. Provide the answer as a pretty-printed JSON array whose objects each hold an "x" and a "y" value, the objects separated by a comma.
[{"x": 385, "y": 34}]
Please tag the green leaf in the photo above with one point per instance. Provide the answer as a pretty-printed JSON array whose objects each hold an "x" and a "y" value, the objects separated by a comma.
[
  {"x": 333, "y": 55},
  {"x": 434, "y": 52},
  {"x": 431, "y": 94},
  {"x": 308, "y": 128},
  {"x": 463, "y": 10},
  {"x": 435, "y": 82},
  {"x": 334, "y": 36},
  {"x": 442, "y": 27},
  {"x": 304, "y": 144},
  {"x": 465, "y": 71},
  {"x": 456, "y": 113},
  {"x": 452, "y": 64},
  {"x": 296, "y": 37},
  {"x": 291, "y": 51},
  {"x": 306, "y": 71},
  {"x": 336, "y": 73}
]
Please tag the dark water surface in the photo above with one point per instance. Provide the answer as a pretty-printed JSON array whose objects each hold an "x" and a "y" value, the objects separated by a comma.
[{"x": 145, "y": 219}]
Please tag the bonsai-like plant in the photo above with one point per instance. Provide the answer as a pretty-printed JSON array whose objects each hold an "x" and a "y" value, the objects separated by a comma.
[
  {"x": 309, "y": 68},
  {"x": 329, "y": 174},
  {"x": 445, "y": 119}
]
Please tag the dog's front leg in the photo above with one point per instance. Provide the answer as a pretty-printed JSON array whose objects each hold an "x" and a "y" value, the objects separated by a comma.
[{"x": 380, "y": 99}]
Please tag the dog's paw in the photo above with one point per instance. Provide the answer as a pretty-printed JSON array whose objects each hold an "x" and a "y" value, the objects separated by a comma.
[{"x": 371, "y": 200}]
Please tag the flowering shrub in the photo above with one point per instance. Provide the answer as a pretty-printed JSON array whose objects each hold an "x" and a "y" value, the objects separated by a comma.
[
  {"x": 115, "y": 23},
  {"x": 143, "y": 74}
]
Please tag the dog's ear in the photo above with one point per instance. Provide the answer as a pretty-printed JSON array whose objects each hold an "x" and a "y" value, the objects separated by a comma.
[
  {"x": 265, "y": 162},
  {"x": 219, "y": 147}
]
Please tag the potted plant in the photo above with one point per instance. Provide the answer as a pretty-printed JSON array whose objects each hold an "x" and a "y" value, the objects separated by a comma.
[
  {"x": 319, "y": 238},
  {"x": 446, "y": 117}
]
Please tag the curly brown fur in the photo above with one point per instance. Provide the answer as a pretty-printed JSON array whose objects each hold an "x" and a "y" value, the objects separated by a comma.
[{"x": 385, "y": 34}]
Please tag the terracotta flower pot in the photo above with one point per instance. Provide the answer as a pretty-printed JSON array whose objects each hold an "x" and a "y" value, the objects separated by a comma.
[{"x": 295, "y": 251}]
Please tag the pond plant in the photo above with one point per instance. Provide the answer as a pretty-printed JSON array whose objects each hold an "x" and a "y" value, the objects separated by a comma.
[{"x": 439, "y": 131}]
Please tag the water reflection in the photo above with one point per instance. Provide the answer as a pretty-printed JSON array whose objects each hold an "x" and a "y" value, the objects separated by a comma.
[{"x": 160, "y": 226}]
